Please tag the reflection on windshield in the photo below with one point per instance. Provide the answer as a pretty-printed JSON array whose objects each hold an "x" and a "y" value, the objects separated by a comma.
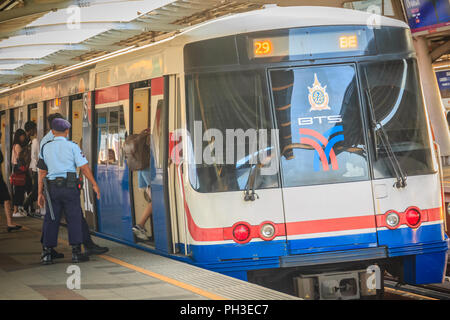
[
  {"x": 398, "y": 106},
  {"x": 321, "y": 135},
  {"x": 224, "y": 103}
]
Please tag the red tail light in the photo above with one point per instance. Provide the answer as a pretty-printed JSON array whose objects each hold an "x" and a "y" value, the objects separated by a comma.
[
  {"x": 241, "y": 232},
  {"x": 412, "y": 217}
]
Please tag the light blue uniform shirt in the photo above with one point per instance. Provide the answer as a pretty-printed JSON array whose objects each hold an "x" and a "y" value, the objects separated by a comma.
[
  {"x": 48, "y": 137},
  {"x": 62, "y": 156}
]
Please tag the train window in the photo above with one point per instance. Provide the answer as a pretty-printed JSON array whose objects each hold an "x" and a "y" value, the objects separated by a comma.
[
  {"x": 396, "y": 98},
  {"x": 157, "y": 132},
  {"x": 228, "y": 112},
  {"x": 321, "y": 133},
  {"x": 111, "y": 136}
]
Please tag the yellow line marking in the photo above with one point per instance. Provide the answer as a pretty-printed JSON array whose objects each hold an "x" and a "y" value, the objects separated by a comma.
[
  {"x": 158, "y": 276},
  {"x": 404, "y": 293},
  {"x": 164, "y": 278}
]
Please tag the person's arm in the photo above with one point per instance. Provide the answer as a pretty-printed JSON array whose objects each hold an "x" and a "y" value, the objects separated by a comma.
[
  {"x": 41, "y": 198},
  {"x": 88, "y": 174}
]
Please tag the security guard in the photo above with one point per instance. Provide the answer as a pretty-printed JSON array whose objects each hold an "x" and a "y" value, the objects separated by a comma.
[
  {"x": 89, "y": 246},
  {"x": 59, "y": 160}
]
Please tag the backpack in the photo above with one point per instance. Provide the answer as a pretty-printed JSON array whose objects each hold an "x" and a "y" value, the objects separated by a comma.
[
  {"x": 24, "y": 158},
  {"x": 137, "y": 150}
]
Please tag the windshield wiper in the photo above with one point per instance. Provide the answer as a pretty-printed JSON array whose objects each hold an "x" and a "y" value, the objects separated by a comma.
[
  {"x": 378, "y": 130},
  {"x": 250, "y": 194}
]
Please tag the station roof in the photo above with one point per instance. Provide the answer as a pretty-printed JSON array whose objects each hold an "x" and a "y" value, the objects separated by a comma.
[{"x": 40, "y": 36}]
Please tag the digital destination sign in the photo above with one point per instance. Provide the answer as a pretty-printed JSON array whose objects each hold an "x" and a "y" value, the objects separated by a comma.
[{"x": 301, "y": 43}]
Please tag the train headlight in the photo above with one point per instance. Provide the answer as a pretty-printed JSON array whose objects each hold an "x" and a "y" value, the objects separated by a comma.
[
  {"x": 267, "y": 231},
  {"x": 413, "y": 217},
  {"x": 241, "y": 232},
  {"x": 392, "y": 220}
]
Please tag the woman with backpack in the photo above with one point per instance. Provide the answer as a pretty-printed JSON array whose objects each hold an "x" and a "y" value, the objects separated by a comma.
[
  {"x": 19, "y": 173},
  {"x": 5, "y": 199}
]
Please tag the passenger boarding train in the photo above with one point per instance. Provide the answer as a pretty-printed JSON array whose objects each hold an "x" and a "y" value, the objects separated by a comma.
[{"x": 357, "y": 184}]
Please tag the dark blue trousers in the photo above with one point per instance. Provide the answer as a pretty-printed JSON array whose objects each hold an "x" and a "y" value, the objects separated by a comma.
[{"x": 65, "y": 200}]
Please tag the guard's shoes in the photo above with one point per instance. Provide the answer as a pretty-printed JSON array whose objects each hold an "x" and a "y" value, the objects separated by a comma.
[
  {"x": 57, "y": 255},
  {"x": 77, "y": 255},
  {"x": 95, "y": 249},
  {"x": 46, "y": 257}
]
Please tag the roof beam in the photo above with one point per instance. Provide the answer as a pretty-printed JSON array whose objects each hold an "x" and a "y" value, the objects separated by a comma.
[
  {"x": 61, "y": 46},
  {"x": 17, "y": 73},
  {"x": 35, "y": 7},
  {"x": 440, "y": 51}
]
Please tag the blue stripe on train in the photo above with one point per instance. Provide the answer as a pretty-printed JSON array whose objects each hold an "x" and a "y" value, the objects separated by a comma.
[{"x": 422, "y": 246}]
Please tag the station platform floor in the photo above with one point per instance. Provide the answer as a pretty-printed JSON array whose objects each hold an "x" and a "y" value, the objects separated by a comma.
[{"x": 121, "y": 274}]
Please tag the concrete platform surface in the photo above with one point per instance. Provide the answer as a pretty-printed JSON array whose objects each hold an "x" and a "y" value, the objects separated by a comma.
[{"x": 123, "y": 273}]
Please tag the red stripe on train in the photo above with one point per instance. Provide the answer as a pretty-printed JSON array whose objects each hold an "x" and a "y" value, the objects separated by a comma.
[{"x": 298, "y": 228}]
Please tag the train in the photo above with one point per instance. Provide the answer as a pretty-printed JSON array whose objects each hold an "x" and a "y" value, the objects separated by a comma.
[{"x": 291, "y": 148}]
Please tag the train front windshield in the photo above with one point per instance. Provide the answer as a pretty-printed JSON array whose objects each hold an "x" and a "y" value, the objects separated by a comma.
[{"x": 325, "y": 116}]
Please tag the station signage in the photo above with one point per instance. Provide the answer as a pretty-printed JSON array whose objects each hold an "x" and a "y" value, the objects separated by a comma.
[
  {"x": 443, "y": 79},
  {"x": 428, "y": 16}
]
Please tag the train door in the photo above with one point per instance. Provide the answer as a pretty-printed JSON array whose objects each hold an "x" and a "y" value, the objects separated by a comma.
[
  {"x": 141, "y": 121},
  {"x": 326, "y": 185},
  {"x": 3, "y": 143},
  {"x": 32, "y": 112},
  {"x": 76, "y": 118},
  {"x": 58, "y": 105},
  {"x": 111, "y": 172},
  {"x": 175, "y": 169},
  {"x": 160, "y": 101},
  {"x": 17, "y": 119}
]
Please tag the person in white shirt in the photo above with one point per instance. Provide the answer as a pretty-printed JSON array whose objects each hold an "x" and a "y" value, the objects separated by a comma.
[{"x": 31, "y": 130}]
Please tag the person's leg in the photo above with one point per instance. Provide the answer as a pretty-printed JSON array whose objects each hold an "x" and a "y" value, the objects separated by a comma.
[
  {"x": 18, "y": 193},
  {"x": 89, "y": 245},
  {"x": 8, "y": 213},
  {"x": 87, "y": 240},
  {"x": 146, "y": 215},
  {"x": 32, "y": 197},
  {"x": 74, "y": 214},
  {"x": 50, "y": 228}
]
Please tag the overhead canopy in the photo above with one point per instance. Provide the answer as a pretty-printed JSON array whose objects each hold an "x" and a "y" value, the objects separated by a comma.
[{"x": 40, "y": 36}]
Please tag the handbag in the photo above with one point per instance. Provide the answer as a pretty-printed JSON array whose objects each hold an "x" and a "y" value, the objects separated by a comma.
[{"x": 18, "y": 179}]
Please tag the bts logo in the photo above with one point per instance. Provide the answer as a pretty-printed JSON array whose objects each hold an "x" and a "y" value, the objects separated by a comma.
[
  {"x": 307, "y": 121},
  {"x": 323, "y": 145}
]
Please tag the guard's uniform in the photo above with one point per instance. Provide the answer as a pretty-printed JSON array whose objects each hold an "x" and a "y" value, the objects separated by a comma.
[{"x": 62, "y": 156}]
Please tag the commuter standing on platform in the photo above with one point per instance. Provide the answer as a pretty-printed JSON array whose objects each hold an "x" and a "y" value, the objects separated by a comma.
[
  {"x": 89, "y": 245},
  {"x": 31, "y": 130},
  {"x": 19, "y": 141},
  {"x": 5, "y": 199},
  {"x": 58, "y": 165}
]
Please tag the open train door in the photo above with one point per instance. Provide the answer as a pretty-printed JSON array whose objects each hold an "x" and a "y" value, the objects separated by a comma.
[{"x": 327, "y": 191}]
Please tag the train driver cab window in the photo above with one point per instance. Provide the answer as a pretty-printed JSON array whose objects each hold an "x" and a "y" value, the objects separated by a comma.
[
  {"x": 319, "y": 118},
  {"x": 392, "y": 91},
  {"x": 230, "y": 112}
]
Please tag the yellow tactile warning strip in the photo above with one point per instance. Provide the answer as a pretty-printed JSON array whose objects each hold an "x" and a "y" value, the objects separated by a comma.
[
  {"x": 408, "y": 294},
  {"x": 158, "y": 276}
]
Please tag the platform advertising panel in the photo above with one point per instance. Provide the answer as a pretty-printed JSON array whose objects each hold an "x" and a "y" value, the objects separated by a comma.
[
  {"x": 443, "y": 78},
  {"x": 428, "y": 16}
]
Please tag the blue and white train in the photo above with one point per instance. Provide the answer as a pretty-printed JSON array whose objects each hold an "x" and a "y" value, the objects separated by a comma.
[{"x": 346, "y": 179}]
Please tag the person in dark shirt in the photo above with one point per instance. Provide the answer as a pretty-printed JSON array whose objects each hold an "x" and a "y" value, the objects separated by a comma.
[{"x": 5, "y": 199}]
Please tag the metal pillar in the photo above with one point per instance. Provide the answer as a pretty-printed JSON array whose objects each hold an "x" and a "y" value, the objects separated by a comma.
[{"x": 432, "y": 96}]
